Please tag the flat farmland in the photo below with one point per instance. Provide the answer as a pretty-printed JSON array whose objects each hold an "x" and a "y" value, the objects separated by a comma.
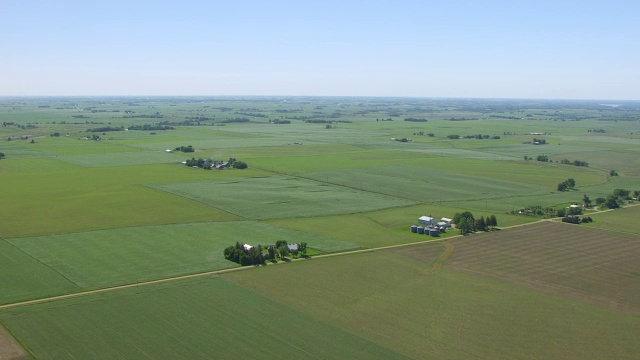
[
  {"x": 582, "y": 263},
  {"x": 81, "y": 215},
  {"x": 98, "y": 259},
  {"x": 394, "y": 298},
  {"x": 423, "y": 184},
  {"x": 281, "y": 197},
  {"x": 196, "y": 319}
]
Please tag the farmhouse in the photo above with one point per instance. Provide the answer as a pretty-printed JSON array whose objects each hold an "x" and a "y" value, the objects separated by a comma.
[
  {"x": 247, "y": 247},
  {"x": 293, "y": 248}
]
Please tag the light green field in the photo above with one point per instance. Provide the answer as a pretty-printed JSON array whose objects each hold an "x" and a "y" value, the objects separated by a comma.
[
  {"x": 97, "y": 259},
  {"x": 281, "y": 197},
  {"x": 423, "y": 184},
  {"x": 203, "y": 319},
  {"x": 24, "y": 277}
]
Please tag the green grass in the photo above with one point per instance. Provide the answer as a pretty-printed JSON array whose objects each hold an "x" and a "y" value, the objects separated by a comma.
[
  {"x": 197, "y": 319},
  {"x": 281, "y": 197},
  {"x": 106, "y": 258}
]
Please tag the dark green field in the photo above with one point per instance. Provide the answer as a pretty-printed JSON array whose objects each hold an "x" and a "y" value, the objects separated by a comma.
[{"x": 92, "y": 199}]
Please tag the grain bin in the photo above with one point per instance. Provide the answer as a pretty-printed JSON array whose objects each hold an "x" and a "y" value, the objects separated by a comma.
[
  {"x": 420, "y": 229},
  {"x": 414, "y": 228}
]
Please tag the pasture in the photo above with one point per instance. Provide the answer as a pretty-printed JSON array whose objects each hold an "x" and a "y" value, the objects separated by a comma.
[{"x": 340, "y": 174}]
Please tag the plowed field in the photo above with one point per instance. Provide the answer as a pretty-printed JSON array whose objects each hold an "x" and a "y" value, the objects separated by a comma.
[{"x": 595, "y": 266}]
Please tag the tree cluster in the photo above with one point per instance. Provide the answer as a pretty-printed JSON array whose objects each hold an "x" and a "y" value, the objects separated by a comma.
[
  {"x": 2, "y": 155},
  {"x": 567, "y": 184},
  {"x": 151, "y": 127},
  {"x": 475, "y": 136},
  {"x": 616, "y": 199},
  {"x": 200, "y": 162},
  {"x": 576, "y": 219},
  {"x": 421, "y": 133},
  {"x": 238, "y": 254},
  {"x": 258, "y": 255},
  {"x": 416, "y": 119},
  {"x": 465, "y": 222},
  {"x": 237, "y": 164},
  {"x": 574, "y": 162},
  {"x": 186, "y": 149},
  {"x": 106, "y": 128}
]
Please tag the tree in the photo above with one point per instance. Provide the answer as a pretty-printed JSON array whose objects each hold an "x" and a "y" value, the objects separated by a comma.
[
  {"x": 465, "y": 222},
  {"x": 621, "y": 193},
  {"x": 636, "y": 193},
  {"x": 272, "y": 252},
  {"x": 562, "y": 186},
  {"x": 613, "y": 173},
  {"x": 561, "y": 213},
  {"x": 283, "y": 250},
  {"x": 463, "y": 226},
  {"x": 611, "y": 202},
  {"x": 586, "y": 202},
  {"x": 600, "y": 201},
  {"x": 481, "y": 224},
  {"x": 2, "y": 155},
  {"x": 575, "y": 211},
  {"x": 493, "y": 221},
  {"x": 302, "y": 248},
  {"x": 240, "y": 165},
  {"x": 571, "y": 183}
]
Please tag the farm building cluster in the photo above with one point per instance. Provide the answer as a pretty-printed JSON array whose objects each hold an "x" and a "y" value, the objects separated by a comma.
[{"x": 431, "y": 226}]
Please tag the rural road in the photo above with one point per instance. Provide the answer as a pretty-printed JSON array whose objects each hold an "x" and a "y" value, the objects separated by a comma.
[{"x": 242, "y": 268}]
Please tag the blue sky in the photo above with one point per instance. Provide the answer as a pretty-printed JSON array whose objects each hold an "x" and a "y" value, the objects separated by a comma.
[{"x": 482, "y": 49}]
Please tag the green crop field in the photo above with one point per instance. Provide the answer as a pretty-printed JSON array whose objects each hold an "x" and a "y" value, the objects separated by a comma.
[
  {"x": 91, "y": 199},
  {"x": 210, "y": 318},
  {"x": 97, "y": 259},
  {"x": 281, "y": 197}
]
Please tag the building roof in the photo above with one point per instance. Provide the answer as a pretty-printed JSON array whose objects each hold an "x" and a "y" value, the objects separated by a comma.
[
  {"x": 247, "y": 247},
  {"x": 293, "y": 247},
  {"x": 425, "y": 219}
]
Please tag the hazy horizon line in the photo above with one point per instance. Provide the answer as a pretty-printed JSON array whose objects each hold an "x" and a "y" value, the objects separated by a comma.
[{"x": 320, "y": 96}]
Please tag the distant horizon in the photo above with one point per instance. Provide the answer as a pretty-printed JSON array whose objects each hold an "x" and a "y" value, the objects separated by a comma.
[{"x": 320, "y": 96}]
